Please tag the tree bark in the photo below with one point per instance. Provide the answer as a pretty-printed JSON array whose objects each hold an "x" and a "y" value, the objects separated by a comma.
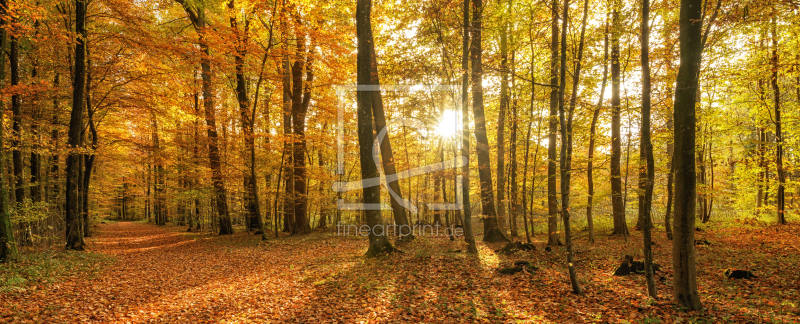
[
  {"x": 592, "y": 133},
  {"x": 250, "y": 181},
  {"x": 378, "y": 244},
  {"x": 617, "y": 200},
  {"x": 565, "y": 172},
  {"x": 300, "y": 102},
  {"x": 648, "y": 152},
  {"x": 16, "y": 135},
  {"x": 552, "y": 198},
  {"x": 491, "y": 226},
  {"x": 387, "y": 154},
  {"x": 73, "y": 219},
  {"x": 8, "y": 246},
  {"x": 683, "y": 254},
  {"x": 501, "y": 128},
  {"x": 781, "y": 194},
  {"x": 469, "y": 236}
]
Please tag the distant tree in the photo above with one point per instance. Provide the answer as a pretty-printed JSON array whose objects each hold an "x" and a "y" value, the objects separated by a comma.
[{"x": 197, "y": 17}]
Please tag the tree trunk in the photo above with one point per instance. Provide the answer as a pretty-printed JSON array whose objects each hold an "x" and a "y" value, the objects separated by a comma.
[
  {"x": 387, "y": 155},
  {"x": 378, "y": 244},
  {"x": 300, "y": 102},
  {"x": 288, "y": 165},
  {"x": 592, "y": 133},
  {"x": 515, "y": 205},
  {"x": 648, "y": 152},
  {"x": 469, "y": 237},
  {"x": 501, "y": 128},
  {"x": 564, "y": 155},
  {"x": 197, "y": 16},
  {"x": 16, "y": 135},
  {"x": 55, "y": 137},
  {"x": 552, "y": 199},
  {"x": 683, "y": 255},
  {"x": 780, "y": 196},
  {"x": 37, "y": 182},
  {"x": 617, "y": 204},
  {"x": 8, "y": 246},
  {"x": 250, "y": 181},
  {"x": 491, "y": 226},
  {"x": 88, "y": 158},
  {"x": 73, "y": 219}
]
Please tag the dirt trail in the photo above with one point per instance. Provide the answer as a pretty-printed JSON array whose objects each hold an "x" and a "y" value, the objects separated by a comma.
[{"x": 161, "y": 275}]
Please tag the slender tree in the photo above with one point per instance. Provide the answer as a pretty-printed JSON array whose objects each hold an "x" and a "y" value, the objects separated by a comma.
[
  {"x": 781, "y": 194},
  {"x": 501, "y": 123},
  {"x": 247, "y": 119},
  {"x": 592, "y": 134},
  {"x": 648, "y": 152},
  {"x": 468, "y": 233},
  {"x": 565, "y": 142},
  {"x": 617, "y": 199},
  {"x": 197, "y": 17},
  {"x": 552, "y": 196}
]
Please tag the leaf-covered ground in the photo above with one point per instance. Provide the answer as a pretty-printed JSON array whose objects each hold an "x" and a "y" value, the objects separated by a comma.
[{"x": 159, "y": 274}]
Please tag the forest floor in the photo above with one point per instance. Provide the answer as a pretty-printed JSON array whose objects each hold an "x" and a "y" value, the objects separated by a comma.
[{"x": 143, "y": 273}]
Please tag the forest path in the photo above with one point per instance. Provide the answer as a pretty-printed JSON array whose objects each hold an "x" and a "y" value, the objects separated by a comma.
[{"x": 163, "y": 275}]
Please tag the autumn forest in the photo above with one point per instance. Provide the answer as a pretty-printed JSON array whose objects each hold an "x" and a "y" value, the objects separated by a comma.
[{"x": 433, "y": 161}]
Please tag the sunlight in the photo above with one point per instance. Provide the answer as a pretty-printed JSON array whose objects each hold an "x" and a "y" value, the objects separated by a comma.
[{"x": 449, "y": 124}]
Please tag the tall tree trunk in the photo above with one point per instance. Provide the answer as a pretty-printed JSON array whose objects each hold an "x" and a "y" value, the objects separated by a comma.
[
  {"x": 158, "y": 186},
  {"x": 387, "y": 155},
  {"x": 501, "y": 122},
  {"x": 515, "y": 205},
  {"x": 55, "y": 137},
  {"x": 491, "y": 226},
  {"x": 592, "y": 133},
  {"x": 780, "y": 196},
  {"x": 197, "y": 16},
  {"x": 16, "y": 139},
  {"x": 617, "y": 200},
  {"x": 648, "y": 152},
  {"x": 37, "y": 181},
  {"x": 89, "y": 157},
  {"x": 288, "y": 165},
  {"x": 469, "y": 236},
  {"x": 683, "y": 255},
  {"x": 378, "y": 244},
  {"x": 73, "y": 219},
  {"x": 552, "y": 198},
  {"x": 250, "y": 181},
  {"x": 565, "y": 128},
  {"x": 300, "y": 102},
  {"x": 670, "y": 155},
  {"x": 8, "y": 246}
]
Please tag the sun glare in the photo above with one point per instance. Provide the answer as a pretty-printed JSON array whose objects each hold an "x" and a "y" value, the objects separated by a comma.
[{"x": 449, "y": 124}]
